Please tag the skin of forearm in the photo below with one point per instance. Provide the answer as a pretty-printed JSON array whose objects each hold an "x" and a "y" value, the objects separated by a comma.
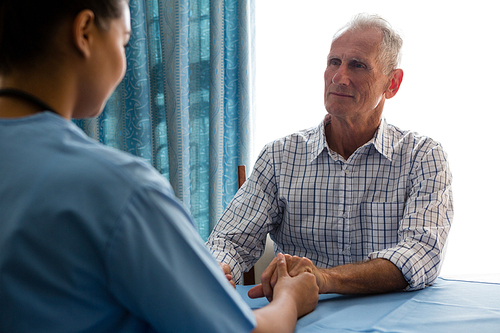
[
  {"x": 278, "y": 316},
  {"x": 370, "y": 277}
]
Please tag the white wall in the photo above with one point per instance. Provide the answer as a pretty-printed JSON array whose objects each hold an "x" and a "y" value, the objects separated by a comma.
[{"x": 451, "y": 62}]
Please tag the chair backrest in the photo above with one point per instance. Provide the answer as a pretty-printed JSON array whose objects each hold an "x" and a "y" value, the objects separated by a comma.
[
  {"x": 242, "y": 175},
  {"x": 248, "y": 277}
]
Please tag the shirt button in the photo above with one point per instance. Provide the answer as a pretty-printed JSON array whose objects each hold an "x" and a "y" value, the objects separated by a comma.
[{"x": 346, "y": 171}]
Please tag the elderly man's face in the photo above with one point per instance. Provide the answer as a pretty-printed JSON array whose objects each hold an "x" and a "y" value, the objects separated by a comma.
[{"x": 354, "y": 83}]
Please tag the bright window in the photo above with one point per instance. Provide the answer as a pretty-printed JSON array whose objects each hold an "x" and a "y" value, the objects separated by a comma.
[{"x": 450, "y": 60}]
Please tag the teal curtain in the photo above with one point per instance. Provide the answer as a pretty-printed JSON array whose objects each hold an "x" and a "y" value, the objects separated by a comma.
[{"x": 186, "y": 101}]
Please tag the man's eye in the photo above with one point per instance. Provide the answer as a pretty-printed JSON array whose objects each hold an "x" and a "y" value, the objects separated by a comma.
[
  {"x": 359, "y": 65},
  {"x": 334, "y": 62}
]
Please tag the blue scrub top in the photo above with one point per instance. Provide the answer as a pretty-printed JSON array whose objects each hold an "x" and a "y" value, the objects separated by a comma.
[{"x": 93, "y": 240}]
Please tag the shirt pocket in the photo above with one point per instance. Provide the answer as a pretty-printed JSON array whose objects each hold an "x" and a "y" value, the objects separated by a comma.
[{"x": 380, "y": 224}]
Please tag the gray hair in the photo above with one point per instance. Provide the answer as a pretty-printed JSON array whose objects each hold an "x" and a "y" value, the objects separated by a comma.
[{"x": 390, "y": 47}]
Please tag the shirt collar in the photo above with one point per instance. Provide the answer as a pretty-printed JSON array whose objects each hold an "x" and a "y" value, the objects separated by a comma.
[
  {"x": 380, "y": 140},
  {"x": 319, "y": 139}
]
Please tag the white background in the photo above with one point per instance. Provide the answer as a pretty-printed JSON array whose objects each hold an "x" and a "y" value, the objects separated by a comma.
[{"x": 450, "y": 89}]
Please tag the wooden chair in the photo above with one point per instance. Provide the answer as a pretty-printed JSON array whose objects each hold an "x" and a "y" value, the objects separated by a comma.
[{"x": 248, "y": 277}]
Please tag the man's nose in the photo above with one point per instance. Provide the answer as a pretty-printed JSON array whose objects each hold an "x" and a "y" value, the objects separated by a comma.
[{"x": 341, "y": 77}]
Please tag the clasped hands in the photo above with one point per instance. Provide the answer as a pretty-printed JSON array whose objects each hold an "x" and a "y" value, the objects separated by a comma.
[
  {"x": 289, "y": 279},
  {"x": 295, "y": 266}
]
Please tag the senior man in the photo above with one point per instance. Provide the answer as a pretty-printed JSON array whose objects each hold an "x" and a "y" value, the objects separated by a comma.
[{"x": 362, "y": 204}]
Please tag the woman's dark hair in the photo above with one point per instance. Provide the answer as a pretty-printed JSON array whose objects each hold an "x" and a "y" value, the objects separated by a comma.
[{"x": 27, "y": 26}]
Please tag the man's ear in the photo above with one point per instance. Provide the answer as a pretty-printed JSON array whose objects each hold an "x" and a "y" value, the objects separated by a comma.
[
  {"x": 83, "y": 29},
  {"x": 396, "y": 77}
]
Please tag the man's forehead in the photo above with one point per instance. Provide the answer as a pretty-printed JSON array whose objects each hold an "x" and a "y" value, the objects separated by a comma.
[{"x": 357, "y": 44}]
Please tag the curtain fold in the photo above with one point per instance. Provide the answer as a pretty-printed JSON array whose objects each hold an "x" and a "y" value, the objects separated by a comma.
[{"x": 186, "y": 102}]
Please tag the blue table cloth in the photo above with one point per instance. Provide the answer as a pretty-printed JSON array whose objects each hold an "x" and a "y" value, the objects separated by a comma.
[{"x": 447, "y": 306}]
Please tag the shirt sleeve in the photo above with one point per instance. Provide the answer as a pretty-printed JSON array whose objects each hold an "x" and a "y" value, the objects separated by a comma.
[
  {"x": 426, "y": 221},
  {"x": 160, "y": 270},
  {"x": 239, "y": 238}
]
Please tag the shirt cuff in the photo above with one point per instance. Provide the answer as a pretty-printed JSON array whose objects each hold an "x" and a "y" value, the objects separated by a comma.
[
  {"x": 225, "y": 258},
  {"x": 418, "y": 270}
]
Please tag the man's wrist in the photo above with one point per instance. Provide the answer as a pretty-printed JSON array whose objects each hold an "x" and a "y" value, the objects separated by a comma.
[{"x": 328, "y": 281}]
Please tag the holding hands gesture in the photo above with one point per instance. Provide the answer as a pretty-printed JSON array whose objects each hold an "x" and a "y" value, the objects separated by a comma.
[
  {"x": 368, "y": 277},
  {"x": 301, "y": 286},
  {"x": 291, "y": 298},
  {"x": 295, "y": 266}
]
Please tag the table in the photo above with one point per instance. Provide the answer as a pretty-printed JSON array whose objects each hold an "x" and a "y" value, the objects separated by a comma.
[{"x": 447, "y": 306}]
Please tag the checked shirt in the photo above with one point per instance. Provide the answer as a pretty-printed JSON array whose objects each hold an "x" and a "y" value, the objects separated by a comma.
[{"x": 391, "y": 199}]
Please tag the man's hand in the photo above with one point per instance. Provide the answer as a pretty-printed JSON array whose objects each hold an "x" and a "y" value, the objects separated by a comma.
[
  {"x": 295, "y": 266},
  {"x": 369, "y": 277},
  {"x": 300, "y": 290},
  {"x": 227, "y": 271}
]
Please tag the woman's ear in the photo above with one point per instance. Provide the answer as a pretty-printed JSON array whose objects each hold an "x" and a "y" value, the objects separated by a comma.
[
  {"x": 396, "y": 77},
  {"x": 83, "y": 31}
]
